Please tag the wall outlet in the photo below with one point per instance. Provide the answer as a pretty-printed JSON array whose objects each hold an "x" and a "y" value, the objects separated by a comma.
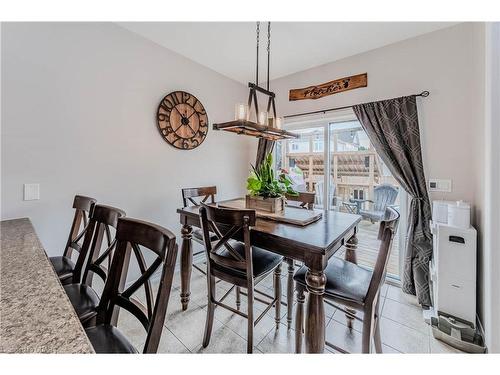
[
  {"x": 439, "y": 185},
  {"x": 31, "y": 192}
]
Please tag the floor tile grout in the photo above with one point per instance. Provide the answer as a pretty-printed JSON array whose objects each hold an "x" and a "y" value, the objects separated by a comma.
[
  {"x": 399, "y": 351},
  {"x": 178, "y": 339},
  {"x": 404, "y": 325},
  {"x": 269, "y": 337}
]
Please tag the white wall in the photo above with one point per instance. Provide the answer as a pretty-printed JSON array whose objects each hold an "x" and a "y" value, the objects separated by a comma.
[
  {"x": 79, "y": 103},
  {"x": 490, "y": 260},
  {"x": 450, "y": 64}
]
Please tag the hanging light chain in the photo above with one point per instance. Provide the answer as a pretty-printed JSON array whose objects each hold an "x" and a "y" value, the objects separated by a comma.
[
  {"x": 257, "y": 65},
  {"x": 268, "y": 51}
]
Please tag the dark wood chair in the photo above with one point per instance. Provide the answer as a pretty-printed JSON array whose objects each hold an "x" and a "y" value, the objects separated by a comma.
[
  {"x": 133, "y": 236},
  {"x": 193, "y": 197},
  {"x": 353, "y": 287},
  {"x": 302, "y": 200},
  {"x": 64, "y": 265},
  {"x": 238, "y": 263},
  {"x": 81, "y": 294}
]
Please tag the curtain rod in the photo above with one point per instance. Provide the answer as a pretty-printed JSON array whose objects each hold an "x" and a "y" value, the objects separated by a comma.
[{"x": 423, "y": 94}]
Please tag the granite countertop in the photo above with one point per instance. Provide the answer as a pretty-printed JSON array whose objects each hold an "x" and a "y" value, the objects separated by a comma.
[{"x": 36, "y": 316}]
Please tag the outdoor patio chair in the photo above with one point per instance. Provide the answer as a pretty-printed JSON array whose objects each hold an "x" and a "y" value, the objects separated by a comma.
[{"x": 384, "y": 196}]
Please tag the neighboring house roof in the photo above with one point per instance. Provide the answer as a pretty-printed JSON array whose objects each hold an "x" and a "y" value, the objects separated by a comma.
[{"x": 349, "y": 137}]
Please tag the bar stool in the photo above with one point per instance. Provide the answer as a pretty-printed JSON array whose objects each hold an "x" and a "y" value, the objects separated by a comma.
[
  {"x": 143, "y": 240},
  {"x": 238, "y": 263},
  {"x": 193, "y": 197},
  {"x": 354, "y": 287},
  {"x": 64, "y": 265},
  {"x": 81, "y": 294}
]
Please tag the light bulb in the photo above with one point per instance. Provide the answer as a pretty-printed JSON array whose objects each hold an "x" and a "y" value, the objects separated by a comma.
[
  {"x": 241, "y": 112},
  {"x": 262, "y": 120}
]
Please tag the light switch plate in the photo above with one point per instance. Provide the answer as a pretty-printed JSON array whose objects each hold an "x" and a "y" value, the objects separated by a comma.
[
  {"x": 440, "y": 185},
  {"x": 31, "y": 192}
]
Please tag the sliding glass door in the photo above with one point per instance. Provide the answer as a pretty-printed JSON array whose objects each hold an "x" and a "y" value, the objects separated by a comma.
[{"x": 334, "y": 158}]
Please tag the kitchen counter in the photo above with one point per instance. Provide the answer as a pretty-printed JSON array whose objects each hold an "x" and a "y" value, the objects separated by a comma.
[{"x": 36, "y": 316}]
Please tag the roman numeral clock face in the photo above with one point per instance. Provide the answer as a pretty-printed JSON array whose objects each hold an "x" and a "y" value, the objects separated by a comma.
[{"x": 182, "y": 120}]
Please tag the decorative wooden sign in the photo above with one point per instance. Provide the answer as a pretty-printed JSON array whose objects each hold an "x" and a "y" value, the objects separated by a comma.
[
  {"x": 329, "y": 88},
  {"x": 182, "y": 120}
]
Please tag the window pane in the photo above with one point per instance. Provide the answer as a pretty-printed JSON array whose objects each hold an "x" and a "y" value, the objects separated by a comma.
[{"x": 303, "y": 158}]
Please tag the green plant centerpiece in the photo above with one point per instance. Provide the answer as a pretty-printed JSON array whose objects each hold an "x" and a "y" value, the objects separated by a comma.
[{"x": 266, "y": 191}]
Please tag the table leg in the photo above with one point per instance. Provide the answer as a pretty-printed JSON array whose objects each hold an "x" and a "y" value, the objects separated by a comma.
[
  {"x": 350, "y": 256},
  {"x": 299, "y": 319},
  {"x": 289, "y": 292},
  {"x": 315, "y": 318},
  {"x": 277, "y": 295},
  {"x": 186, "y": 265}
]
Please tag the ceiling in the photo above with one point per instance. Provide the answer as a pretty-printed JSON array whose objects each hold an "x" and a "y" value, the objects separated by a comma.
[{"x": 229, "y": 47}]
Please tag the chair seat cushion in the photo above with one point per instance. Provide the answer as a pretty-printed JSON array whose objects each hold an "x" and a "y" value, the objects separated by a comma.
[
  {"x": 198, "y": 236},
  {"x": 63, "y": 266},
  {"x": 373, "y": 215},
  {"x": 108, "y": 339},
  {"x": 263, "y": 261},
  {"x": 344, "y": 280},
  {"x": 84, "y": 300}
]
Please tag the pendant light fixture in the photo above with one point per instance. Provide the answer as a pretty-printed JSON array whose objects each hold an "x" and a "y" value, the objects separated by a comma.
[{"x": 248, "y": 120}]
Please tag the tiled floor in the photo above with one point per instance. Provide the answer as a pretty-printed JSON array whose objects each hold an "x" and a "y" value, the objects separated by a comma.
[{"x": 402, "y": 327}]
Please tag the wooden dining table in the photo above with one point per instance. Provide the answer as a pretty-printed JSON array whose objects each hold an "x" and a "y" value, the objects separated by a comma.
[{"x": 312, "y": 244}]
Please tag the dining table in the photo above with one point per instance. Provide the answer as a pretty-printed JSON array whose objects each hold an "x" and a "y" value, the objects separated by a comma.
[{"x": 313, "y": 245}]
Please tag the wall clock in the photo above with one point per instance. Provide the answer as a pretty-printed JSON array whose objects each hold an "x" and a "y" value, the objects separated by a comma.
[{"x": 182, "y": 120}]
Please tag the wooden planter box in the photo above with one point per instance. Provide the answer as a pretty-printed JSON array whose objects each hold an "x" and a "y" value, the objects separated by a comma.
[{"x": 272, "y": 205}]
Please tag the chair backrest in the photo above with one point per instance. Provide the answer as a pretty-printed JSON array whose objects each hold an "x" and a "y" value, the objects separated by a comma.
[
  {"x": 388, "y": 227},
  {"x": 189, "y": 195},
  {"x": 133, "y": 237},
  {"x": 101, "y": 219},
  {"x": 227, "y": 223},
  {"x": 83, "y": 207},
  {"x": 305, "y": 199},
  {"x": 384, "y": 195}
]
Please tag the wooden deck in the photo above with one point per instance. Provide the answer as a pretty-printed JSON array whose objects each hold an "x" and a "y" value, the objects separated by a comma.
[{"x": 368, "y": 245}]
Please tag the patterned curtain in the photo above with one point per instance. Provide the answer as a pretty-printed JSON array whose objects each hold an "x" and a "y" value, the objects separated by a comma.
[
  {"x": 392, "y": 127},
  {"x": 264, "y": 148}
]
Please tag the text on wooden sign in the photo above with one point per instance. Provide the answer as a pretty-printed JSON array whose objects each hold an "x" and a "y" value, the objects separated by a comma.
[{"x": 329, "y": 88}]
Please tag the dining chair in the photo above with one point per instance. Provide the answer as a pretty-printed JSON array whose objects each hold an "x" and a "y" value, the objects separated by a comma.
[
  {"x": 145, "y": 241},
  {"x": 238, "y": 263},
  {"x": 302, "y": 200},
  {"x": 64, "y": 265},
  {"x": 193, "y": 197},
  {"x": 354, "y": 287},
  {"x": 81, "y": 294}
]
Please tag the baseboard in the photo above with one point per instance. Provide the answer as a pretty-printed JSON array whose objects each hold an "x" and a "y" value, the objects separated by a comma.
[{"x": 480, "y": 327}]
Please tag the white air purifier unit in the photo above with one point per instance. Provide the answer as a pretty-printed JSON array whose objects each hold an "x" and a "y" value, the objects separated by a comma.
[
  {"x": 453, "y": 271},
  {"x": 453, "y": 277}
]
